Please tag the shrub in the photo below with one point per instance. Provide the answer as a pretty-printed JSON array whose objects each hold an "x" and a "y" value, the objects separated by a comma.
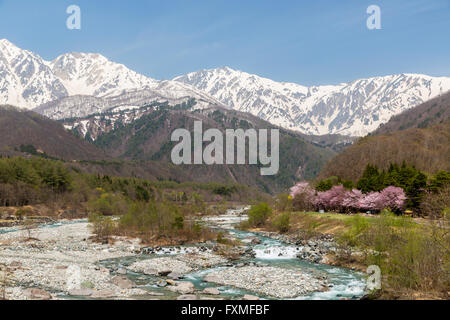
[
  {"x": 282, "y": 222},
  {"x": 258, "y": 214},
  {"x": 108, "y": 205},
  {"x": 435, "y": 203},
  {"x": 412, "y": 257},
  {"x": 284, "y": 202},
  {"x": 102, "y": 226}
]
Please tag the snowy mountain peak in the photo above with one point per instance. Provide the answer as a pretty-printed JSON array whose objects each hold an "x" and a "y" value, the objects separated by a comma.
[
  {"x": 77, "y": 84},
  {"x": 354, "y": 108},
  {"x": 93, "y": 74},
  {"x": 26, "y": 80}
]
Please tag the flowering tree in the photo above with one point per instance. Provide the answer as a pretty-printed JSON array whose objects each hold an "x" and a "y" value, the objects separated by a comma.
[
  {"x": 331, "y": 199},
  {"x": 393, "y": 198},
  {"x": 352, "y": 199},
  {"x": 303, "y": 196},
  {"x": 341, "y": 200},
  {"x": 371, "y": 201}
]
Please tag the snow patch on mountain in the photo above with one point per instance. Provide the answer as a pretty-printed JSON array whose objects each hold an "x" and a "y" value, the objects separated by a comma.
[
  {"x": 80, "y": 84},
  {"x": 355, "y": 108}
]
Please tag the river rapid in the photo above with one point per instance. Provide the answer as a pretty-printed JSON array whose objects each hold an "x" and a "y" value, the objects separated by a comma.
[
  {"x": 343, "y": 283},
  {"x": 269, "y": 262}
]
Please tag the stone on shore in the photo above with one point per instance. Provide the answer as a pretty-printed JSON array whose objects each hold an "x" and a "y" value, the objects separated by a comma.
[
  {"x": 211, "y": 291},
  {"x": 103, "y": 294},
  {"x": 37, "y": 294},
  {"x": 83, "y": 292},
  {"x": 190, "y": 297},
  {"x": 269, "y": 281},
  {"x": 248, "y": 297}
]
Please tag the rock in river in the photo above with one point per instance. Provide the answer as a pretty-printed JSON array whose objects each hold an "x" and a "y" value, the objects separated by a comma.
[
  {"x": 123, "y": 282},
  {"x": 183, "y": 288},
  {"x": 211, "y": 291}
]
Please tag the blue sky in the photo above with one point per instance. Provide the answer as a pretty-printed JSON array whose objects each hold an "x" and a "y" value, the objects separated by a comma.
[{"x": 307, "y": 42}]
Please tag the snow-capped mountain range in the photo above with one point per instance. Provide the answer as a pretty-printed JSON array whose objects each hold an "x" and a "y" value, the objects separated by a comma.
[
  {"x": 355, "y": 108},
  {"x": 80, "y": 84}
]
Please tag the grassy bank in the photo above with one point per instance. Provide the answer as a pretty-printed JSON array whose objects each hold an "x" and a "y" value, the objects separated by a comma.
[{"x": 413, "y": 254}]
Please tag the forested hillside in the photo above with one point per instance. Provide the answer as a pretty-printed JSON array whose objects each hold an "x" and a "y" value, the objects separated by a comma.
[
  {"x": 28, "y": 132},
  {"x": 147, "y": 139},
  {"x": 418, "y": 137}
]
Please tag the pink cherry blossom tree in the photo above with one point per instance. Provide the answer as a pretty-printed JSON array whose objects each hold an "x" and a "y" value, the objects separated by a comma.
[
  {"x": 303, "y": 196},
  {"x": 352, "y": 199},
  {"x": 393, "y": 198},
  {"x": 371, "y": 201}
]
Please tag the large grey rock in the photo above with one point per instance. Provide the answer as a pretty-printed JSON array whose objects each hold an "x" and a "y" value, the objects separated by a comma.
[
  {"x": 150, "y": 271},
  {"x": 175, "y": 276},
  {"x": 164, "y": 273}
]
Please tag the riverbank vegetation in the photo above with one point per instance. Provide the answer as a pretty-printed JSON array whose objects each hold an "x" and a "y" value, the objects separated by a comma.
[
  {"x": 152, "y": 210},
  {"x": 400, "y": 189},
  {"x": 396, "y": 219},
  {"x": 412, "y": 253}
]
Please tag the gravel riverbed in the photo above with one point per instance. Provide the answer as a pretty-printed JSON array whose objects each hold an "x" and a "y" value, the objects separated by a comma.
[{"x": 42, "y": 267}]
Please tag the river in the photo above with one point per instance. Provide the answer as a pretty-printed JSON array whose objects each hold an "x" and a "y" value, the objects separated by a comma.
[{"x": 343, "y": 283}]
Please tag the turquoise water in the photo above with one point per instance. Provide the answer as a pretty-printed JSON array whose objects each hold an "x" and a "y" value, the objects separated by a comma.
[
  {"x": 43, "y": 226},
  {"x": 345, "y": 282}
]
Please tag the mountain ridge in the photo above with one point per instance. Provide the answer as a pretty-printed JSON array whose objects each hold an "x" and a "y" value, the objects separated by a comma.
[
  {"x": 30, "y": 82},
  {"x": 24, "y": 128},
  {"x": 417, "y": 137},
  {"x": 56, "y": 89},
  {"x": 355, "y": 108}
]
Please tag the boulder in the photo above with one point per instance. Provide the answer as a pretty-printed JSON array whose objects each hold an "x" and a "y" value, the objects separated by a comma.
[
  {"x": 162, "y": 283},
  {"x": 175, "y": 276},
  {"x": 37, "y": 294},
  {"x": 61, "y": 267},
  {"x": 183, "y": 288},
  {"x": 256, "y": 241},
  {"x": 83, "y": 292},
  {"x": 248, "y": 297},
  {"x": 164, "y": 273},
  {"x": 123, "y": 282},
  {"x": 122, "y": 271},
  {"x": 150, "y": 272},
  {"x": 155, "y": 294},
  {"x": 103, "y": 294},
  {"x": 15, "y": 264},
  {"x": 211, "y": 291}
]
